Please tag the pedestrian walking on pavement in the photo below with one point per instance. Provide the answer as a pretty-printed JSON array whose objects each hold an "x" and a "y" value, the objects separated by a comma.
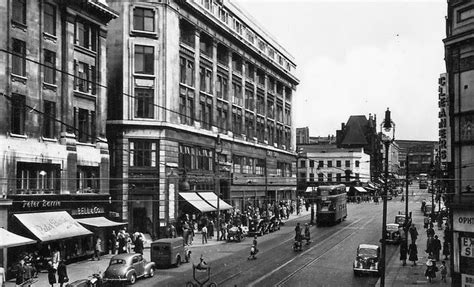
[
  {"x": 113, "y": 242},
  {"x": 20, "y": 272},
  {"x": 444, "y": 271},
  {"x": 97, "y": 248},
  {"x": 138, "y": 248},
  {"x": 431, "y": 270},
  {"x": 403, "y": 252},
  {"x": 436, "y": 247},
  {"x": 413, "y": 253},
  {"x": 122, "y": 240},
  {"x": 62, "y": 273},
  {"x": 430, "y": 231},
  {"x": 210, "y": 229},
  {"x": 413, "y": 233},
  {"x": 446, "y": 251},
  {"x": 429, "y": 246},
  {"x": 51, "y": 273},
  {"x": 204, "y": 234}
]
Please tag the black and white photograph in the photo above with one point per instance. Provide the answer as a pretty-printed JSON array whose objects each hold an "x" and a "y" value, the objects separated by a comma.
[{"x": 236, "y": 143}]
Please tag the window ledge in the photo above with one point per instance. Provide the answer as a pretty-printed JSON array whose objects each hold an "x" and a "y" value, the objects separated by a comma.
[
  {"x": 50, "y": 37},
  {"x": 84, "y": 95},
  {"x": 85, "y": 50},
  {"x": 85, "y": 144},
  {"x": 20, "y": 26},
  {"x": 48, "y": 86},
  {"x": 18, "y": 78},
  {"x": 18, "y": 136},
  {"x": 146, "y": 34},
  {"x": 49, "y": 139},
  {"x": 141, "y": 75},
  {"x": 186, "y": 46}
]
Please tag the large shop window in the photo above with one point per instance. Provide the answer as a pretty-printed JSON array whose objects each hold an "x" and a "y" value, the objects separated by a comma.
[
  {"x": 260, "y": 165},
  {"x": 84, "y": 123},
  {"x": 85, "y": 77},
  {"x": 37, "y": 178},
  {"x": 88, "y": 179},
  {"x": 143, "y": 153}
]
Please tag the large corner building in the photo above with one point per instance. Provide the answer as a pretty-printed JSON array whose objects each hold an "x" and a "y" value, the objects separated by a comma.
[{"x": 200, "y": 100}]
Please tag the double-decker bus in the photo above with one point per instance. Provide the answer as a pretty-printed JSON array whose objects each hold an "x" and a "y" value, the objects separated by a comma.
[{"x": 331, "y": 204}]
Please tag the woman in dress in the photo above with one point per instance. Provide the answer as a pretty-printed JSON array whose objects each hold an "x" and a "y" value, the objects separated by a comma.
[{"x": 413, "y": 253}]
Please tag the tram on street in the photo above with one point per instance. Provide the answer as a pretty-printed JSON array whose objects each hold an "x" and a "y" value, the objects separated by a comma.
[{"x": 331, "y": 204}]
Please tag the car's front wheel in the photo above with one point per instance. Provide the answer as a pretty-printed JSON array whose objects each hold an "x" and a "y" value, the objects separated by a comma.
[
  {"x": 133, "y": 279},
  {"x": 151, "y": 273}
]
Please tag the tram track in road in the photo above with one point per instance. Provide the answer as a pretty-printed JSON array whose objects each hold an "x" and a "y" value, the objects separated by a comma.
[
  {"x": 284, "y": 280},
  {"x": 242, "y": 266},
  {"x": 323, "y": 238}
]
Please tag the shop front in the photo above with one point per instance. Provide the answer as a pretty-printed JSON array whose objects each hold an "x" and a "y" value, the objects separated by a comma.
[
  {"x": 463, "y": 247},
  {"x": 54, "y": 221}
]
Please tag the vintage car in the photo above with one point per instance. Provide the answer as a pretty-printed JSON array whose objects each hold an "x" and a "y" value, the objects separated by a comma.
[
  {"x": 257, "y": 227},
  {"x": 367, "y": 260},
  {"x": 235, "y": 233},
  {"x": 393, "y": 233},
  {"x": 400, "y": 219},
  {"x": 127, "y": 267}
]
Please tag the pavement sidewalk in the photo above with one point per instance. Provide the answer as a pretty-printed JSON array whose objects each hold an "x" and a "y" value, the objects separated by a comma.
[
  {"x": 398, "y": 275},
  {"x": 84, "y": 269}
]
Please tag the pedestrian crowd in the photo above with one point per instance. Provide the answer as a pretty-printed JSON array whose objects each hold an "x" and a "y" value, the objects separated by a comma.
[{"x": 434, "y": 250}]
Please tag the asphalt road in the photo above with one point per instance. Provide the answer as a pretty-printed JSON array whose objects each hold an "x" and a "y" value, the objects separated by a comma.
[{"x": 327, "y": 261}]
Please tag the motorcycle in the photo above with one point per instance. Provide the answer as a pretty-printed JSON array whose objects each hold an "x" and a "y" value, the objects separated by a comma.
[
  {"x": 297, "y": 245},
  {"x": 95, "y": 280},
  {"x": 253, "y": 252}
]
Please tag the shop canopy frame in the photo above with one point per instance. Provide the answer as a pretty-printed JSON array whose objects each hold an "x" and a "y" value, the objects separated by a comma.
[
  {"x": 211, "y": 198},
  {"x": 50, "y": 226},
  {"x": 195, "y": 200}
]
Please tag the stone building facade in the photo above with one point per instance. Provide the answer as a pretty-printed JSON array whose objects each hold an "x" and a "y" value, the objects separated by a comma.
[{"x": 200, "y": 99}]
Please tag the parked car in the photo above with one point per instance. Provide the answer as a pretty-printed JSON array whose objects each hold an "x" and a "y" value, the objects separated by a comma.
[
  {"x": 393, "y": 233},
  {"x": 235, "y": 233},
  {"x": 367, "y": 260},
  {"x": 400, "y": 219},
  {"x": 127, "y": 267},
  {"x": 429, "y": 209}
]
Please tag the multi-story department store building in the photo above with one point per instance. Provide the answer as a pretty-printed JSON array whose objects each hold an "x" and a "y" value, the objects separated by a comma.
[
  {"x": 200, "y": 100},
  {"x": 54, "y": 165}
]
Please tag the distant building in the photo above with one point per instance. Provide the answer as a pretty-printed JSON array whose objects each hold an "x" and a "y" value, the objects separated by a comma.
[
  {"x": 421, "y": 156},
  {"x": 328, "y": 164},
  {"x": 360, "y": 132},
  {"x": 302, "y": 135}
]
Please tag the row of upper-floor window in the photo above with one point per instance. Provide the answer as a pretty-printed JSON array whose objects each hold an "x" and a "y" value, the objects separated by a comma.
[
  {"x": 220, "y": 12},
  {"x": 44, "y": 178},
  {"x": 241, "y": 124},
  {"x": 84, "y": 121},
  {"x": 329, "y": 177},
  {"x": 329, "y": 163},
  {"x": 239, "y": 97},
  {"x": 86, "y": 34},
  {"x": 187, "y": 36}
]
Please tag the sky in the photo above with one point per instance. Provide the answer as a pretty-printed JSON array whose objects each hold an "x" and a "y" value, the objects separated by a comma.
[{"x": 359, "y": 58}]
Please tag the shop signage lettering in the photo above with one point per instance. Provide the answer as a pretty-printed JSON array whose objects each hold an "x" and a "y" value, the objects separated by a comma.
[
  {"x": 40, "y": 203},
  {"x": 467, "y": 280},
  {"x": 463, "y": 221},
  {"x": 88, "y": 210},
  {"x": 444, "y": 134},
  {"x": 467, "y": 246}
]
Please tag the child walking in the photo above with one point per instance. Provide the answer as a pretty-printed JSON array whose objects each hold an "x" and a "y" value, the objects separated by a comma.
[{"x": 444, "y": 271}]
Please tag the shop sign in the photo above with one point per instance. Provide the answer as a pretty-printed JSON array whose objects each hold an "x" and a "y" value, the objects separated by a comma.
[
  {"x": 463, "y": 221},
  {"x": 87, "y": 210},
  {"x": 467, "y": 246},
  {"x": 40, "y": 203},
  {"x": 467, "y": 280},
  {"x": 444, "y": 130}
]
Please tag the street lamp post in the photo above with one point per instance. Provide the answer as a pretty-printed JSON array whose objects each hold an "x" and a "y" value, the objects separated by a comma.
[
  {"x": 388, "y": 135},
  {"x": 406, "y": 196}
]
